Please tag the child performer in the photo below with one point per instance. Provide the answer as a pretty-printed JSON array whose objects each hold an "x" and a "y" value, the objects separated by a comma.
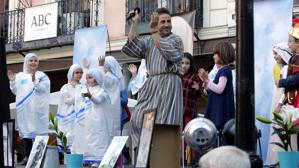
[
  {"x": 70, "y": 102},
  {"x": 220, "y": 107},
  {"x": 32, "y": 90},
  {"x": 114, "y": 73},
  {"x": 192, "y": 89},
  {"x": 282, "y": 55},
  {"x": 101, "y": 120},
  {"x": 113, "y": 70}
]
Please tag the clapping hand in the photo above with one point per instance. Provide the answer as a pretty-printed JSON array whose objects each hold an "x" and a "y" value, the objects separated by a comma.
[
  {"x": 86, "y": 94},
  {"x": 154, "y": 21},
  {"x": 202, "y": 74},
  {"x": 154, "y": 30}
]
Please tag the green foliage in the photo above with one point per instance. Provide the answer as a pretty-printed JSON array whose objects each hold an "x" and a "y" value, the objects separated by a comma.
[
  {"x": 264, "y": 120},
  {"x": 284, "y": 128},
  {"x": 59, "y": 134}
]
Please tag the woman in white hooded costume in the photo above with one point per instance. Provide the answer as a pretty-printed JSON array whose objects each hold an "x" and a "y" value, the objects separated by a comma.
[
  {"x": 113, "y": 72},
  {"x": 70, "y": 102},
  {"x": 32, "y": 90},
  {"x": 103, "y": 121}
]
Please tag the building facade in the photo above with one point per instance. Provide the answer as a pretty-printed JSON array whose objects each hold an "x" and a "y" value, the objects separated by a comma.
[{"x": 215, "y": 20}]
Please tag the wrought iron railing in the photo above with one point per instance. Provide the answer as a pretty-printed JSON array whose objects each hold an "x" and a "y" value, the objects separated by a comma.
[{"x": 72, "y": 15}]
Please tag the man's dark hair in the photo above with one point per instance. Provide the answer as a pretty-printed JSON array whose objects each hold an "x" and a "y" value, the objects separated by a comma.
[{"x": 163, "y": 11}]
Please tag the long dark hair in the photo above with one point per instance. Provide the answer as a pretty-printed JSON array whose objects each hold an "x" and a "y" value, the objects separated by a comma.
[{"x": 192, "y": 67}]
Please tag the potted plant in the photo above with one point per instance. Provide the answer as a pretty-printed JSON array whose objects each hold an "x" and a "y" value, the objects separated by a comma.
[
  {"x": 72, "y": 160},
  {"x": 284, "y": 126}
]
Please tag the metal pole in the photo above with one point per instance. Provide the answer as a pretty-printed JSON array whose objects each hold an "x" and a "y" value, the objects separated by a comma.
[
  {"x": 246, "y": 133},
  {"x": 4, "y": 85},
  {"x": 245, "y": 117}
]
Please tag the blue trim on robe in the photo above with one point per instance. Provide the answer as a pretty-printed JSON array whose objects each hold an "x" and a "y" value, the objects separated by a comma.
[
  {"x": 64, "y": 116},
  {"x": 26, "y": 97},
  {"x": 30, "y": 93}
]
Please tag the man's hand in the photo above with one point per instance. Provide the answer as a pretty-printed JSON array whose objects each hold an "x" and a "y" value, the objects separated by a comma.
[
  {"x": 11, "y": 75},
  {"x": 135, "y": 18},
  {"x": 154, "y": 21},
  {"x": 133, "y": 30},
  {"x": 133, "y": 69},
  {"x": 154, "y": 29}
]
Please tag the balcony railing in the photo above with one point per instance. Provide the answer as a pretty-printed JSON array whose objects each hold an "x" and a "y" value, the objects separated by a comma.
[{"x": 72, "y": 15}]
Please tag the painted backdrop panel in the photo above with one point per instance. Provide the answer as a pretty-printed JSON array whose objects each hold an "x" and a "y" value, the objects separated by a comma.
[{"x": 272, "y": 21}]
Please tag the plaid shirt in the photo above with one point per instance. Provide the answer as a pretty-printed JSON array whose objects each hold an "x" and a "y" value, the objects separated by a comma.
[{"x": 191, "y": 95}]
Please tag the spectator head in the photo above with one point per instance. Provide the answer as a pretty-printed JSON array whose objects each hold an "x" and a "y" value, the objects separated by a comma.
[{"x": 225, "y": 157}]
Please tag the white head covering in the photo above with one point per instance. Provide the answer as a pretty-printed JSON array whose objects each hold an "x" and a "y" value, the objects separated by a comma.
[
  {"x": 105, "y": 83},
  {"x": 112, "y": 63},
  {"x": 26, "y": 61},
  {"x": 97, "y": 75},
  {"x": 71, "y": 71},
  {"x": 282, "y": 49}
]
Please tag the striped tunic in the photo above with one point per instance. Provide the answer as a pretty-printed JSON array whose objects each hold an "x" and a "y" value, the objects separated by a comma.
[{"x": 163, "y": 88}]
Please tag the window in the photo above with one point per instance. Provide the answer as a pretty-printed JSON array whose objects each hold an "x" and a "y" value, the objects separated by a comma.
[
  {"x": 147, "y": 8},
  {"x": 198, "y": 6},
  {"x": 175, "y": 6}
]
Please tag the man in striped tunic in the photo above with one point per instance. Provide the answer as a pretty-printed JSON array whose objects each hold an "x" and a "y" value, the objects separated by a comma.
[{"x": 163, "y": 51}]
